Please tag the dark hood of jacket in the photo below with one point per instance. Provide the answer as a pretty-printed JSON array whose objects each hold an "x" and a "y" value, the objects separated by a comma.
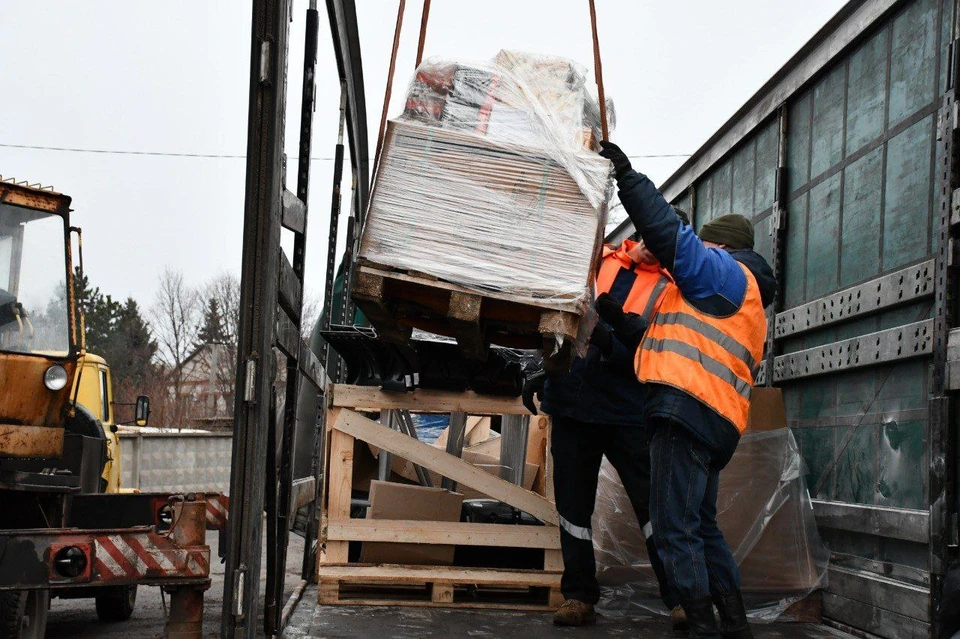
[{"x": 761, "y": 272}]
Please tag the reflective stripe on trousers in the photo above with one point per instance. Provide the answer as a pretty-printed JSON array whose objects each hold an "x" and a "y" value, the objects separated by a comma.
[{"x": 578, "y": 532}]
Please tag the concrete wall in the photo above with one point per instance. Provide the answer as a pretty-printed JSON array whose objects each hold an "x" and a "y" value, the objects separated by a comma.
[{"x": 187, "y": 462}]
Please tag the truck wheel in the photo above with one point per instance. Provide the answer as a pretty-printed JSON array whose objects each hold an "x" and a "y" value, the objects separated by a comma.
[
  {"x": 23, "y": 614},
  {"x": 117, "y": 603}
]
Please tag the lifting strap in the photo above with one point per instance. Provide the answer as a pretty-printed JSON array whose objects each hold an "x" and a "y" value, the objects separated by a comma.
[{"x": 424, "y": 17}]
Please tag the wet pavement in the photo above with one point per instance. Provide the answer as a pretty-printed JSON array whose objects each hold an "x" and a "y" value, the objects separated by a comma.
[{"x": 312, "y": 621}]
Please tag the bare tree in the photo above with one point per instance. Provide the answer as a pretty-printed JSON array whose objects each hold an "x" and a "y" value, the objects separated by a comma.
[
  {"x": 312, "y": 307},
  {"x": 176, "y": 316},
  {"x": 224, "y": 289}
]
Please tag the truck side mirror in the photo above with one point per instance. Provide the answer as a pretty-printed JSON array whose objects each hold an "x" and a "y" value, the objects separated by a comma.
[{"x": 142, "y": 413}]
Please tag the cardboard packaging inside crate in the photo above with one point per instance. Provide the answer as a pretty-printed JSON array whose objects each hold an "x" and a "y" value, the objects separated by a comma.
[{"x": 417, "y": 503}]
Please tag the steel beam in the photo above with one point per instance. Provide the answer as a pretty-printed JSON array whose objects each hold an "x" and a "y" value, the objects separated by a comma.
[
  {"x": 891, "y": 523},
  {"x": 888, "y": 291},
  {"x": 891, "y": 345}
]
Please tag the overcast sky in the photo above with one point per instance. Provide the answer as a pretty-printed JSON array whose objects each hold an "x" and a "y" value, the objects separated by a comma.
[{"x": 173, "y": 78}]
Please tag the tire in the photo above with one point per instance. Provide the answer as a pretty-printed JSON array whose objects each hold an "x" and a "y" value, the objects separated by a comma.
[
  {"x": 23, "y": 614},
  {"x": 117, "y": 603}
]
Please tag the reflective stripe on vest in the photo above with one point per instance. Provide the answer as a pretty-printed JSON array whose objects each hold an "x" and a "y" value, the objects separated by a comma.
[{"x": 711, "y": 358}]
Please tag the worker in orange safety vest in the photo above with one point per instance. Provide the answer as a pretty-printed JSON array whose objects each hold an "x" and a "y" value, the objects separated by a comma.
[
  {"x": 697, "y": 360},
  {"x": 597, "y": 411}
]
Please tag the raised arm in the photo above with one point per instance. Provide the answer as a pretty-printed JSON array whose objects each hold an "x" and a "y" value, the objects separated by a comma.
[{"x": 699, "y": 271}]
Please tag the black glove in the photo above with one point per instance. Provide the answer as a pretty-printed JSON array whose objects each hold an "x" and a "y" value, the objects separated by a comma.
[
  {"x": 533, "y": 385},
  {"x": 627, "y": 327},
  {"x": 621, "y": 164},
  {"x": 631, "y": 333},
  {"x": 602, "y": 338},
  {"x": 610, "y": 310}
]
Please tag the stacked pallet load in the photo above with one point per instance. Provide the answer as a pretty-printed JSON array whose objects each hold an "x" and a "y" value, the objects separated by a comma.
[{"x": 488, "y": 208}]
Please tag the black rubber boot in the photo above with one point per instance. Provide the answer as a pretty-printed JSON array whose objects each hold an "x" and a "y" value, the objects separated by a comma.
[
  {"x": 733, "y": 616},
  {"x": 703, "y": 625}
]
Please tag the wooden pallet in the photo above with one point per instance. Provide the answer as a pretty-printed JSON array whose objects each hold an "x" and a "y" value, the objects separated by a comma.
[
  {"x": 447, "y": 587},
  {"x": 397, "y": 302},
  {"x": 342, "y": 582}
]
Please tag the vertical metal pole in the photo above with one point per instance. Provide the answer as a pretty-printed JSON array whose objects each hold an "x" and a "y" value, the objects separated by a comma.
[
  {"x": 513, "y": 447},
  {"x": 778, "y": 228},
  {"x": 385, "y": 459},
  {"x": 274, "y": 596},
  {"x": 258, "y": 304},
  {"x": 455, "y": 436}
]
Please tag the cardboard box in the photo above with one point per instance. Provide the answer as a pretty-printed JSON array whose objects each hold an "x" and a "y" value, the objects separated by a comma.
[
  {"x": 414, "y": 503},
  {"x": 486, "y": 462},
  {"x": 766, "y": 409}
]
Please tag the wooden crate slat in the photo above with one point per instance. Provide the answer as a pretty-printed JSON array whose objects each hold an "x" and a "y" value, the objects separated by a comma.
[
  {"x": 443, "y": 532},
  {"x": 426, "y": 401},
  {"x": 444, "y": 464},
  {"x": 404, "y": 574}
]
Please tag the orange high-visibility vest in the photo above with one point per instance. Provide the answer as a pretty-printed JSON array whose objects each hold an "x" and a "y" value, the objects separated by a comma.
[
  {"x": 711, "y": 358},
  {"x": 647, "y": 288}
]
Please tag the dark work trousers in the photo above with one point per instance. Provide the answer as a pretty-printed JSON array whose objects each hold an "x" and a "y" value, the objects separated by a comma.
[
  {"x": 578, "y": 448},
  {"x": 683, "y": 509}
]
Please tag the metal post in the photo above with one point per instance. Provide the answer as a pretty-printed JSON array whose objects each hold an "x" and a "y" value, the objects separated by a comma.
[
  {"x": 258, "y": 304},
  {"x": 455, "y": 437},
  {"x": 384, "y": 460},
  {"x": 779, "y": 230},
  {"x": 513, "y": 447}
]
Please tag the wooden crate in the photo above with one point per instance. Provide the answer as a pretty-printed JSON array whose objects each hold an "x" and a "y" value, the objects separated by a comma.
[
  {"x": 345, "y": 583},
  {"x": 396, "y": 302}
]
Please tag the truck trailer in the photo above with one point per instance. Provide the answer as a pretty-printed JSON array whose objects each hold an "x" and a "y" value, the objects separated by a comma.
[{"x": 847, "y": 163}]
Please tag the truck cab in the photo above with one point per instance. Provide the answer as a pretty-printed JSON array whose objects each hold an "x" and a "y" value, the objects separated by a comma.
[
  {"x": 95, "y": 393},
  {"x": 40, "y": 345}
]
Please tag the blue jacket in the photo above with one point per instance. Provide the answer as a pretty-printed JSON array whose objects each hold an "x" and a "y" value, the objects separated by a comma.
[{"x": 711, "y": 280}]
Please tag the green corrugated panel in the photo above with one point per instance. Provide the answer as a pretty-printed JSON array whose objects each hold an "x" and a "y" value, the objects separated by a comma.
[
  {"x": 866, "y": 92},
  {"x": 763, "y": 242},
  {"x": 743, "y": 180},
  {"x": 822, "y": 244},
  {"x": 704, "y": 204},
  {"x": 827, "y": 121},
  {"x": 907, "y": 192},
  {"x": 766, "y": 166},
  {"x": 793, "y": 276},
  {"x": 722, "y": 190},
  {"x": 860, "y": 240},
  {"x": 798, "y": 143},
  {"x": 855, "y": 474},
  {"x": 912, "y": 71}
]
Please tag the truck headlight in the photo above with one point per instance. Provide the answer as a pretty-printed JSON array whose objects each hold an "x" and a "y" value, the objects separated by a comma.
[{"x": 55, "y": 378}]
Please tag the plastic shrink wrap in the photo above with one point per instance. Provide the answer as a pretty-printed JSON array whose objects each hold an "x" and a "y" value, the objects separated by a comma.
[
  {"x": 490, "y": 180},
  {"x": 766, "y": 516}
]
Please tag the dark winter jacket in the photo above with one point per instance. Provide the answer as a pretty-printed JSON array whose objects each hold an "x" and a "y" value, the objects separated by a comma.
[{"x": 710, "y": 280}]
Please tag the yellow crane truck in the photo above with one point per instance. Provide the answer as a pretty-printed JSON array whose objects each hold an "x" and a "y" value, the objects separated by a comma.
[{"x": 65, "y": 529}]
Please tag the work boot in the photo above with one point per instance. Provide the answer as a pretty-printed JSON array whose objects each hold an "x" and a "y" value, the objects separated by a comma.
[
  {"x": 733, "y": 615},
  {"x": 703, "y": 625},
  {"x": 678, "y": 622},
  {"x": 574, "y": 613}
]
